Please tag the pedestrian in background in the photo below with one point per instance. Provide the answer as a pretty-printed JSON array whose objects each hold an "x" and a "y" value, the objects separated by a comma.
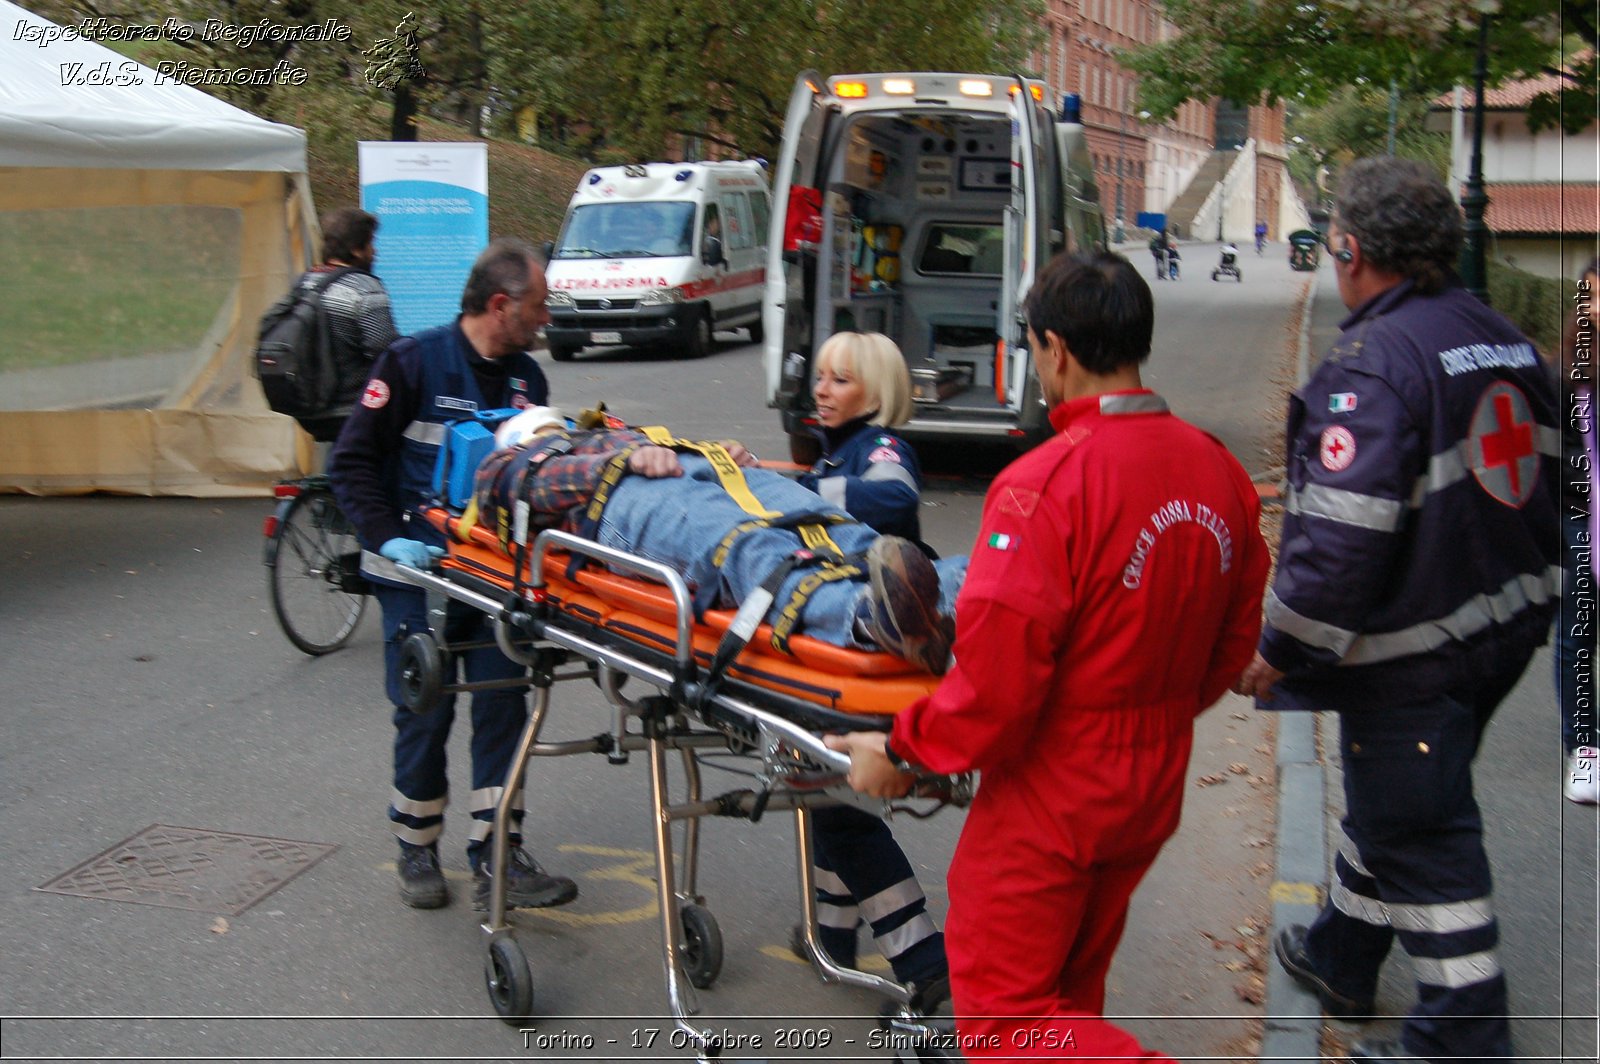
[
  {"x": 1112, "y": 595},
  {"x": 382, "y": 473},
  {"x": 1575, "y": 627},
  {"x": 356, "y": 307},
  {"x": 1417, "y": 573}
]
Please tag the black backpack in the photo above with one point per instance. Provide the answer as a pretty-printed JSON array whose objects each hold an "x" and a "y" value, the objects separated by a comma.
[{"x": 295, "y": 359}]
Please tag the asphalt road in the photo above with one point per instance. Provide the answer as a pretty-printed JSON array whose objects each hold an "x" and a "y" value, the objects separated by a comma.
[{"x": 144, "y": 683}]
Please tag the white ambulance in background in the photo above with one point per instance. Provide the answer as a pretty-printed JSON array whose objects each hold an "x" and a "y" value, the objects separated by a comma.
[
  {"x": 921, "y": 205},
  {"x": 660, "y": 253}
]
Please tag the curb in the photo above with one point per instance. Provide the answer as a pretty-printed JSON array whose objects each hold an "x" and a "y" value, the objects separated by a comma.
[{"x": 1292, "y": 1020}]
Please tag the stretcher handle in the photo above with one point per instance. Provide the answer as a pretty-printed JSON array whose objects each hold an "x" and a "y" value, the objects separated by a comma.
[
  {"x": 683, "y": 652},
  {"x": 802, "y": 739}
]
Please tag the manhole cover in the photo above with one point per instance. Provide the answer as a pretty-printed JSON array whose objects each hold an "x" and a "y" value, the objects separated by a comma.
[{"x": 190, "y": 868}]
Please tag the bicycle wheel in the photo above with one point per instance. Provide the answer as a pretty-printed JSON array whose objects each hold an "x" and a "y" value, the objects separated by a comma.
[{"x": 314, "y": 574}]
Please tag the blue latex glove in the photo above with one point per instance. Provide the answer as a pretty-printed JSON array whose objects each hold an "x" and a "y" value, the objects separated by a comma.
[{"x": 411, "y": 552}]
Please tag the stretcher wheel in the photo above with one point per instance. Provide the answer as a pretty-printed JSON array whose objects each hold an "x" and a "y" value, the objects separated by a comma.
[
  {"x": 421, "y": 673},
  {"x": 509, "y": 982},
  {"x": 702, "y": 945}
]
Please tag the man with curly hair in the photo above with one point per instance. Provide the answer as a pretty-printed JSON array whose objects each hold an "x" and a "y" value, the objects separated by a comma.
[{"x": 1418, "y": 572}]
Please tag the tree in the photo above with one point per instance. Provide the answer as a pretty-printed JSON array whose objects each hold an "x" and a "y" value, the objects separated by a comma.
[
  {"x": 641, "y": 73},
  {"x": 1250, "y": 50},
  {"x": 1354, "y": 122}
]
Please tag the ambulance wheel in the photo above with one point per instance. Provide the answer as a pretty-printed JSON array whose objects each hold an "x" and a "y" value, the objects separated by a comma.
[
  {"x": 702, "y": 945},
  {"x": 804, "y": 449},
  {"x": 758, "y": 331},
  {"x": 509, "y": 982},
  {"x": 1238, "y": 275},
  {"x": 701, "y": 340},
  {"x": 563, "y": 352},
  {"x": 421, "y": 673},
  {"x": 1213, "y": 275}
]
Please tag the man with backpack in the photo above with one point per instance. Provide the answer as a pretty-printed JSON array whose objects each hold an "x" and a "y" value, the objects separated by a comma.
[{"x": 318, "y": 343}]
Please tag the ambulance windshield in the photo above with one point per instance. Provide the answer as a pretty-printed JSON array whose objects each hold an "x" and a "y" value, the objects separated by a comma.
[{"x": 625, "y": 230}]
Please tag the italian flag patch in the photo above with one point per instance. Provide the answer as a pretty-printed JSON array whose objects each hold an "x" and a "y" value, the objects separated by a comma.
[{"x": 1001, "y": 541}]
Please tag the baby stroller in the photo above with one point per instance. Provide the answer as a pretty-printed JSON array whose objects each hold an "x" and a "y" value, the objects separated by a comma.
[
  {"x": 1229, "y": 266},
  {"x": 1171, "y": 263}
]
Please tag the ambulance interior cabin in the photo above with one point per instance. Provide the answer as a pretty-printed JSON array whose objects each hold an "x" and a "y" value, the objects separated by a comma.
[{"x": 913, "y": 246}]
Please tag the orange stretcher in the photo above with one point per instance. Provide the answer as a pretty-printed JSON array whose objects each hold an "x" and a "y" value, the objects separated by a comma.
[
  {"x": 621, "y": 619},
  {"x": 832, "y": 677}
]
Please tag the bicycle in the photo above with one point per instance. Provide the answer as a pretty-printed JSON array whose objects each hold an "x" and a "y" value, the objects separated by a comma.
[{"x": 313, "y": 565}]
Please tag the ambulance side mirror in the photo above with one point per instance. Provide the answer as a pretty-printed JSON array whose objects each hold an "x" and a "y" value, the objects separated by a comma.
[
  {"x": 547, "y": 249},
  {"x": 711, "y": 251}
]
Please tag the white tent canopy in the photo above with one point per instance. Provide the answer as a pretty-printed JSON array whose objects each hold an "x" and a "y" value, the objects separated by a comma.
[{"x": 144, "y": 228}]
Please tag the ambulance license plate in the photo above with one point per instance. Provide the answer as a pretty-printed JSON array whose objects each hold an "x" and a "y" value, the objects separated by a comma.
[{"x": 605, "y": 338}]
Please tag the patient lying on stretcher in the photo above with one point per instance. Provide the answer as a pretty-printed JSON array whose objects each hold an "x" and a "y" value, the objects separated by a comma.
[{"x": 734, "y": 530}]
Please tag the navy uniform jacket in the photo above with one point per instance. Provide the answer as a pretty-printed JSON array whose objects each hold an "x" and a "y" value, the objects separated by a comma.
[
  {"x": 872, "y": 475},
  {"x": 382, "y": 465},
  {"x": 1420, "y": 540}
]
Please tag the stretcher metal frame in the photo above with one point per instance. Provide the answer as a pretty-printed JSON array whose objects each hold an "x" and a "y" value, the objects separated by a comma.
[{"x": 688, "y": 714}]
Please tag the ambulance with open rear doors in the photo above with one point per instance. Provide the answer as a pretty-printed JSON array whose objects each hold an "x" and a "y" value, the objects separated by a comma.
[{"x": 921, "y": 205}]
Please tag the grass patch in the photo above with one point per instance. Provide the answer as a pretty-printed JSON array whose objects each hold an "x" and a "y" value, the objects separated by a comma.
[
  {"x": 113, "y": 282},
  {"x": 123, "y": 282},
  {"x": 528, "y": 187}
]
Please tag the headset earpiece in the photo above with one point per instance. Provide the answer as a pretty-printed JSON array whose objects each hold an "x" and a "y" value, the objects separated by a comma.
[{"x": 1344, "y": 255}]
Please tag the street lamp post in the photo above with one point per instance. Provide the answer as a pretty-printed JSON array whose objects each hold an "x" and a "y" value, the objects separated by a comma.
[
  {"x": 1474, "y": 199},
  {"x": 1122, "y": 151}
]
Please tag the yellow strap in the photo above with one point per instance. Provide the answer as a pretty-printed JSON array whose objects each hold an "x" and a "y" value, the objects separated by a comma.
[
  {"x": 609, "y": 478},
  {"x": 468, "y": 519},
  {"x": 727, "y": 469},
  {"x": 813, "y": 535},
  {"x": 789, "y": 617}
]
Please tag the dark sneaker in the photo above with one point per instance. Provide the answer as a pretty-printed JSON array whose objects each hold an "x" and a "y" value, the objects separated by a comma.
[
  {"x": 1290, "y": 946},
  {"x": 1382, "y": 1051},
  {"x": 421, "y": 883},
  {"x": 903, "y": 617},
  {"x": 528, "y": 886}
]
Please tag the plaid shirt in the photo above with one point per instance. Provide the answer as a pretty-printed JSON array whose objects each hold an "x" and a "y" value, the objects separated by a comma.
[{"x": 566, "y": 483}]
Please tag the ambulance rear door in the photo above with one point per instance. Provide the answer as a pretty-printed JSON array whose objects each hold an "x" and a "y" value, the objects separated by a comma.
[
  {"x": 792, "y": 243},
  {"x": 1027, "y": 241}
]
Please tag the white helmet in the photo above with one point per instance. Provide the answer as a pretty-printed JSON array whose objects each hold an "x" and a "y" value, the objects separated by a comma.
[{"x": 520, "y": 428}]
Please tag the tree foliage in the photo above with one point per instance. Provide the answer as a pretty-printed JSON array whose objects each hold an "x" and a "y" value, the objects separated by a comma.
[
  {"x": 1250, "y": 50},
  {"x": 638, "y": 73},
  {"x": 632, "y": 76},
  {"x": 1354, "y": 122}
]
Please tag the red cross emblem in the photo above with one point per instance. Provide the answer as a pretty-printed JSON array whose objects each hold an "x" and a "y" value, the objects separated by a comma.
[
  {"x": 1338, "y": 448},
  {"x": 1503, "y": 451},
  {"x": 376, "y": 395}
]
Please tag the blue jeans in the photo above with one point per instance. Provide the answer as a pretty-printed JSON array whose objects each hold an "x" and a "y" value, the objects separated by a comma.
[{"x": 680, "y": 521}]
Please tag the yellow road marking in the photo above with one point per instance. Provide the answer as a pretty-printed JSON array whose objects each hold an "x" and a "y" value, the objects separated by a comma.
[{"x": 1296, "y": 893}]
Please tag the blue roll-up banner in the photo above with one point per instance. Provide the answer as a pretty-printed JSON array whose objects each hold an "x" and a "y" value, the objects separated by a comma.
[{"x": 432, "y": 203}]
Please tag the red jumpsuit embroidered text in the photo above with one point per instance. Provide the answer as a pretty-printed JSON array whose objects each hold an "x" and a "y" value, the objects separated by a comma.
[{"x": 1114, "y": 592}]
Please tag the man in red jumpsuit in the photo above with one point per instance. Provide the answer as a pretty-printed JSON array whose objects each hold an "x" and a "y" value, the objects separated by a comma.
[{"x": 1114, "y": 593}]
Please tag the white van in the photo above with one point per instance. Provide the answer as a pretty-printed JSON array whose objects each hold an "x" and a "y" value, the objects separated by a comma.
[
  {"x": 659, "y": 253},
  {"x": 921, "y": 205}
]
